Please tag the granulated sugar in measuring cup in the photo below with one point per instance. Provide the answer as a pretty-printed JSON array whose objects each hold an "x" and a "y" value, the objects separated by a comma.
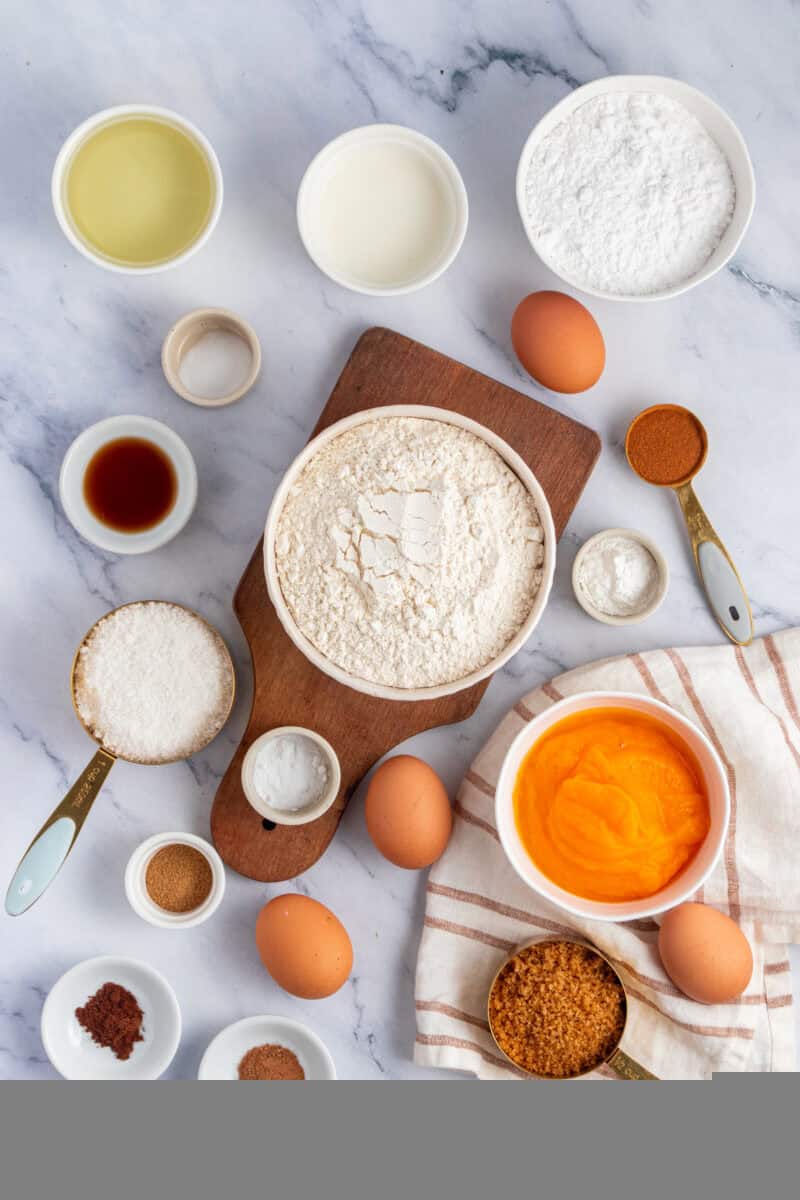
[
  {"x": 666, "y": 445},
  {"x": 152, "y": 682}
]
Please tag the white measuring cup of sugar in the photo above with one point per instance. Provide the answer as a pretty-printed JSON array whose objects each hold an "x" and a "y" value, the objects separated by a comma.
[{"x": 47, "y": 852}]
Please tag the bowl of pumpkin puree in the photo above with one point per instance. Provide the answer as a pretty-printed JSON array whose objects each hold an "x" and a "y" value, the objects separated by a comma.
[{"x": 612, "y": 805}]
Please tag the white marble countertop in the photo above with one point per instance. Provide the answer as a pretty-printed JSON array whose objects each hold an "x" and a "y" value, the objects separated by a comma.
[{"x": 270, "y": 84}]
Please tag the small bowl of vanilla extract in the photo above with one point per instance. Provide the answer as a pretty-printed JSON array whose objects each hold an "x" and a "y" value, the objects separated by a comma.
[{"x": 128, "y": 484}]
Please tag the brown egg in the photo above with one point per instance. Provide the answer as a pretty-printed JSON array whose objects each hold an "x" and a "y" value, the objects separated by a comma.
[
  {"x": 705, "y": 953},
  {"x": 558, "y": 342},
  {"x": 408, "y": 813},
  {"x": 304, "y": 946}
]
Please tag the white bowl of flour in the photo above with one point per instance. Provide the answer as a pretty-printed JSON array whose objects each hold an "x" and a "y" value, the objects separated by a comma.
[
  {"x": 409, "y": 552},
  {"x": 635, "y": 187}
]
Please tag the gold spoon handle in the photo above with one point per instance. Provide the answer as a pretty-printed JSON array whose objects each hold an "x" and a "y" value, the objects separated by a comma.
[
  {"x": 45, "y": 855},
  {"x": 627, "y": 1067},
  {"x": 719, "y": 577}
]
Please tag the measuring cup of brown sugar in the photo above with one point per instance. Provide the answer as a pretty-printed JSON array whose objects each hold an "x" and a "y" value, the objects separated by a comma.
[
  {"x": 558, "y": 1010},
  {"x": 667, "y": 445},
  {"x": 152, "y": 682}
]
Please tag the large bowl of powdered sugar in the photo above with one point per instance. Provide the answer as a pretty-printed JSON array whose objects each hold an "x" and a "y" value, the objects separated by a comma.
[
  {"x": 409, "y": 552},
  {"x": 635, "y": 187}
]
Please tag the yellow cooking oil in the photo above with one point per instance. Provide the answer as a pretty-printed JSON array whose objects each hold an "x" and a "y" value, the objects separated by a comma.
[{"x": 139, "y": 191}]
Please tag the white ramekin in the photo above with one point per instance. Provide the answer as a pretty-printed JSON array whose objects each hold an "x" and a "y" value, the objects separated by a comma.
[
  {"x": 79, "y": 135},
  {"x": 642, "y": 613},
  {"x": 687, "y": 882},
  {"x": 139, "y": 897},
  {"x": 716, "y": 122},
  {"x": 509, "y": 456},
  {"x": 71, "y": 1050},
  {"x": 73, "y": 470},
  {"x": 223, "y": 1055},
  {"x": 298, "y": 816},
  {"x": 318, "y": 171}
]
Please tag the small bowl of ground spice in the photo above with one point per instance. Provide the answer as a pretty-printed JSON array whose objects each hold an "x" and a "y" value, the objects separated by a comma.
[
  {"x": 111, "y": 1018},
  {"x": 266, "y": 1048},
  {"x": 558, "y": 1009},
  {"x": 175, "y": 880}
]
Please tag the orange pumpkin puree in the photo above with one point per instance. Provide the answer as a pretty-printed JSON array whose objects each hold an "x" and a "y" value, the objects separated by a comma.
[{"x": 610, "y": 804}]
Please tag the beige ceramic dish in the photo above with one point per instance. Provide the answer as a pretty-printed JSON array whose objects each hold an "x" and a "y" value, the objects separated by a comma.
[
  {"x": 509, "y": 456},
  {"x": 291, "y": 816},
  {"x": 642, "y": 613},
  {"x": 188, "y": 331}
]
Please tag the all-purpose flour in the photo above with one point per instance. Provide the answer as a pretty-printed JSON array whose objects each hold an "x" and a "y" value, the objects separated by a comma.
[
  {"x": 408, "y": 552},
  {"x": 629, "y": 194}
]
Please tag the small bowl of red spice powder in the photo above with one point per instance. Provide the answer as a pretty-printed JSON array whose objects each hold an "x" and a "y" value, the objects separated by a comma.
[
  {"x": 267, "y": 1048},
  {"x": 111, "y": 1018},
  {"x": 175, "y": 880}
]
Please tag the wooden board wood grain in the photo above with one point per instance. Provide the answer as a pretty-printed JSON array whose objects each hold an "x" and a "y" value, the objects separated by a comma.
[{"x": 384, "y": 368}]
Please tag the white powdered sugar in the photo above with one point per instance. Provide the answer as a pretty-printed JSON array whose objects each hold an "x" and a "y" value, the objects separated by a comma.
[
  {"x": 629, "y": 194},
  {"x": 153, "y": 682},
  {"x": 408, "y": 552}
]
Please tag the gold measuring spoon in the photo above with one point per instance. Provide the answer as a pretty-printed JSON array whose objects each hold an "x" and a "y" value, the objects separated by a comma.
[
  {"x": 45, "y": 856},
  {"x": 617, "y": 1059},
  {"x": 719, "y": 577}
]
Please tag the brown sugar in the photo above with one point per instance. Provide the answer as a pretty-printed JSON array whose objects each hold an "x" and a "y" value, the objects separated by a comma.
[
  {"x": 557, "y": 1009},
  {"x": 114, "y": 1018},
  {"x": 665, "y": 445},
  {"x": 178, "y": 878},
  {"x": 270, "y": 1062}
]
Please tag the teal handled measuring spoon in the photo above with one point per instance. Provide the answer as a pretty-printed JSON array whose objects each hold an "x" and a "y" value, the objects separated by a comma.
[{"x": 720, "y": 579}]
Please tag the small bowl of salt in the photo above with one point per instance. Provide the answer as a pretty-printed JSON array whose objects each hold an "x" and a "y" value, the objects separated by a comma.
[
  {"x": 291, "y": 775},
  {"x": 619, "y": 576},
  {"x": 211, "y": 357}
]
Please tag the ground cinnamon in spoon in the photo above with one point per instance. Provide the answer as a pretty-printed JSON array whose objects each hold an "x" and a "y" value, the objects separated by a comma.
[
  {"x": 665, "y": 445},
  {"x": 270, "y": 1062},
  {"x": 113, "y": 1018}
]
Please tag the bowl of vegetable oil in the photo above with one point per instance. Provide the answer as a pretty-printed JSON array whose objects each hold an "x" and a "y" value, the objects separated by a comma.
[{"x": 137, "y": 189}]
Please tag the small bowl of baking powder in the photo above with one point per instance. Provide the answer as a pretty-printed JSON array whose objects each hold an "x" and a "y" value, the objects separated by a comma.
[
  {"x": 620, "y": 577},
  {"x": 291, "y": 775}
]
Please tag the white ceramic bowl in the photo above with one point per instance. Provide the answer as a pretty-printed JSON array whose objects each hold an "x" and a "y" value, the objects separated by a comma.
[
  {"x": 509, "y": 456},
  {"x": 139, "y": 897},
  {"x": 687, "y": 882},
  {"x": 716, "y": 122},
  {"x": 79, "y": 135},
  {"x": 300, "y": 816},
  {"x": 630, "y": 618},
  {"x": 319, "y": 172},
  {"x": 70, "y": 1048},
  {"x": 221, "y": 1059},
  {"x": 73, "y": 469}
]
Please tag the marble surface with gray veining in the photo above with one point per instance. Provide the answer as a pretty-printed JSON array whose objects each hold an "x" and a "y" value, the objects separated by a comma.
[{"x": 270, "y": 83}]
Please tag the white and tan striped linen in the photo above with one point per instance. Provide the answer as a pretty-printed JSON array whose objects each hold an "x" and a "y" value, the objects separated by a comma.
[{"x": 477, "y": 909}]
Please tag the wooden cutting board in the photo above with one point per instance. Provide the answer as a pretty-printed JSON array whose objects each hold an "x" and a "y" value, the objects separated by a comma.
[{"x": 384, "y": 368}]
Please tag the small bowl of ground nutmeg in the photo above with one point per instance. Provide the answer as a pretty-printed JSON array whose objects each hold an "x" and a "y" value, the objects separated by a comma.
[
  {"x": 266, "y": 1048},
  {"x": 558, "y": 1010},
  {"x": 175, "y": 880}
]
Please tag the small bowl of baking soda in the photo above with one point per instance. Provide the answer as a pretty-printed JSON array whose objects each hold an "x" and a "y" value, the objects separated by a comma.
[
  {"x": 291, "y": 775},
  {"x": 620, "y": 576}
]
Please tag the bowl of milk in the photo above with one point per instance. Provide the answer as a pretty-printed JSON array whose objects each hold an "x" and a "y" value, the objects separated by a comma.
[{"x": 382, "y": 210}]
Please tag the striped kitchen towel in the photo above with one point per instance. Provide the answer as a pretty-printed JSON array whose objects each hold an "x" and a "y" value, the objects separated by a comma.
[{"x": 477, "y": 909}]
